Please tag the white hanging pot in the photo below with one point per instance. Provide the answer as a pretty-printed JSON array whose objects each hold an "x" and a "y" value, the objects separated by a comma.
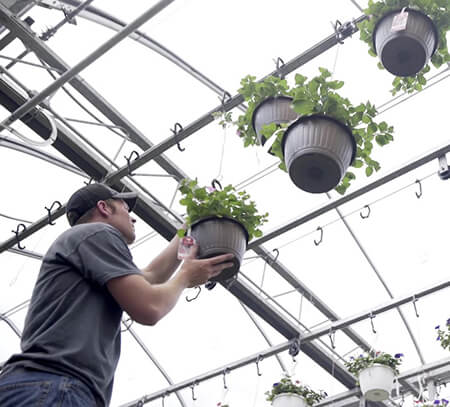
[
  {"x": 288, "y": 400},
  {"x": 376, "y": 382},
  {"x": 216, "y": 236},
  {"x": 272, "y": 110},
  {"x": 317, "y": 150},
  {"x": 405, "y": 48}
]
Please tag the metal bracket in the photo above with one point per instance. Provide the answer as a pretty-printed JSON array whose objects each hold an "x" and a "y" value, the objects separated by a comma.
[
  {"x": 294, "y": 347},
  {"x": 343, "y": 31},
  {"x": 444, "y": 172}
]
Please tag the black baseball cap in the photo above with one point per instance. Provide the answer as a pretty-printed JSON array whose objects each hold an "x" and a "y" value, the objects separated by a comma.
[{"x": 87, "y": 197}]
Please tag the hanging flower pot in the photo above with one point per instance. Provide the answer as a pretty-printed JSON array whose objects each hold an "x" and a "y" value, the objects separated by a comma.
[
  {"x": 289, "y": 400},
  {"x": 276, "y": 110},
  {"x": 318, "y": 150},
  {"x": 376, "y": 382},
  {"x": 216, "y": 236},
  {"x": 405, "y": 41}
]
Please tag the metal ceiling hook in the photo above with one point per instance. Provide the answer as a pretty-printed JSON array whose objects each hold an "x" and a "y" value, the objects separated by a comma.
[
  {"x": 321, "y": 236},
  {"x": 199, "y": 289},
  {"x": 259, "y": 359},
  {"x": 419, "y": 194}
]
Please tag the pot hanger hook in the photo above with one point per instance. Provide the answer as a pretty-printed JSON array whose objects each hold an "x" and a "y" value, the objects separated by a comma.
[
  {"x": 134, "y": 152},
  {"x": 199, "y": 289},
  {"x": 16, "y": 232},
  {"x": 49, "y": 210},
  {"x": 419, "y": 194},
  {"x": 415, "y": 307},
  {"x": 259, "y": 359},
  {"x": 226, "y": 97},
  {"x": 279, "y": 63},
  {"x": 331, "y": 335},
  {"x": 367, "y": 213},
  {"x": 277, "y": 253},
  {"x": 177, "y": 128},
  {"x": 371, "y": 316},
  {"x": 319, "y": 228},
  {"x": 195, "y": 383},
  {"x": 216, "y": 184},
  {"x": 225, "y": 372}
]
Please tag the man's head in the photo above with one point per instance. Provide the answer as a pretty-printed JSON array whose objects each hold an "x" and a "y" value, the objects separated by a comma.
[{"x": 100, "y": 203}]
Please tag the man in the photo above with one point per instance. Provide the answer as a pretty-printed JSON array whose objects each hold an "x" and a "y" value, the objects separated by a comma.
[{"x": 71, "y": 339}]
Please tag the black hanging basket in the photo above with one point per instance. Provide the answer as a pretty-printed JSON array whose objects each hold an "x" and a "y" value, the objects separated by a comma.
[
  {"x": 317, "y": 150},
  {"x": 405, "y": 52},
  {"x": 216, "y": 236},
  {"x": 272, "y": 110}
]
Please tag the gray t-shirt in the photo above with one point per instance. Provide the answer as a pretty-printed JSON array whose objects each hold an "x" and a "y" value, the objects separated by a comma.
[{"x": 73, "y": 323}]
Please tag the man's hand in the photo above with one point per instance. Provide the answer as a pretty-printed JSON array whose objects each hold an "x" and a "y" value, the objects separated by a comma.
[{"x": 197, "y": 272}]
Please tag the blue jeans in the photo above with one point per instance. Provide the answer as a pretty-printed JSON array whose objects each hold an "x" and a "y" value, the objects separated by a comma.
[{"x": 20, "y": 387}]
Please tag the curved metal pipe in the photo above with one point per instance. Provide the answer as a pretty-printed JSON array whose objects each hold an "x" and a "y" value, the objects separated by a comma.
[{"x": 100, "y": 17}]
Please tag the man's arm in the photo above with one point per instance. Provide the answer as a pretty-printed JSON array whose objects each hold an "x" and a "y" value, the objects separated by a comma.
[
  {"x": 164, "y": 265},
  {"x": 147, "y": 303}
]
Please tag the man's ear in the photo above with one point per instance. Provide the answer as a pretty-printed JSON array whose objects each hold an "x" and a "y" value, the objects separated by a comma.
[{"x": 103, "y": 209}]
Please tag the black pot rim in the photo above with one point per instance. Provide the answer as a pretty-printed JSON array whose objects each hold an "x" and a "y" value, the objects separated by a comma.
[
  {"x": 206, "y": 218},
  {"x": 436, "y": 34},
  {"x": 322, "y": 117},
  {"x": 264, "y": 101}
]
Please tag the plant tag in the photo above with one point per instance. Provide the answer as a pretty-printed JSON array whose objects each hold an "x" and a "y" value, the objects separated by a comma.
[
  {"x": 184, "y": 247},
  {"x": 399, "y": 22}
]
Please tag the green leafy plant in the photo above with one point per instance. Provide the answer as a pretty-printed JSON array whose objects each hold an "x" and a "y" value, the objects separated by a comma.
[
  {"x": 355, "y": 365},
  {"x": 286, "y": 385},
  {"x": 437, "y": 10},
  {"x": 202, "y": 202},
  {"x": 444, "y": 335},
  {"x": 318, "y": 96},
  {"x": 254, "y": 93}
]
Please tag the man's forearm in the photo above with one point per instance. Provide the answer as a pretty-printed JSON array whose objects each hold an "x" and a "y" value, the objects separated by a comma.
[{"x": 164, "y": 265}]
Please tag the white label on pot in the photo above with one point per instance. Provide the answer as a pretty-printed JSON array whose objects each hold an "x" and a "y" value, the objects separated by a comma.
[{"x": 399, "y": 21}]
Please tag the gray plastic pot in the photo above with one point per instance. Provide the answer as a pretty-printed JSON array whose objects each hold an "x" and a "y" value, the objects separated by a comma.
[
  {"x": 318, "y": 150},
  {"x": 272, "y": 110},
  {"x": 216, "y": 236},
  {"x": 406, "y": 52}
]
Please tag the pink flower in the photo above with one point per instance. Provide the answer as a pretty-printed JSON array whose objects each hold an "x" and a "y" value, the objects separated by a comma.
[{"x": 210, "y": 189}]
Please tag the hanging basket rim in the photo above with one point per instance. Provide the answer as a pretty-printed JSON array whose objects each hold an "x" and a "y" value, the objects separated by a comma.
[
  {"x": 378, "y": 365},
  {"x": 262, "y": 103},
  {"x": 409, "y": 9},
  {"x": 226, "y": 218},
  {"x": 321, "y": 117}
]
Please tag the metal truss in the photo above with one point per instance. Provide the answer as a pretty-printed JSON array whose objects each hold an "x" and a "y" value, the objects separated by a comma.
[
  {"x": 101, "y": 17},
  {"x": 153, "y": 215}
]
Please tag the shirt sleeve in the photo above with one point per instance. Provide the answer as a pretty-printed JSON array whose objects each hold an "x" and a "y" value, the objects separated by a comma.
[{"x": 104, "y": 256}]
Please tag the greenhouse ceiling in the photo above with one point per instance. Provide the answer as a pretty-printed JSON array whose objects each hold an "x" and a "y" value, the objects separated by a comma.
[{"x": 131, "y": 94}]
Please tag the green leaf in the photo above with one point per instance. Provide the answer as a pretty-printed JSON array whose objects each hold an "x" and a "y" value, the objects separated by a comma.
[
  {"x": 303, "y": 107},
  {"x": 357, "y": 164},
  {"x": 369, "y": 171}
]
